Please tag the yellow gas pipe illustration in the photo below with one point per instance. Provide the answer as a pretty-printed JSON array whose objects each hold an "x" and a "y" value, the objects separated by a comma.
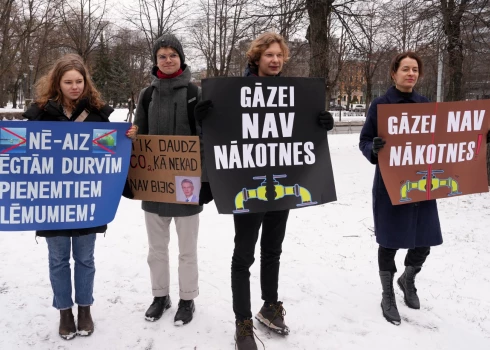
[
  {"x": 281, "y": 191},
  {"x": 435, "y": 183}
]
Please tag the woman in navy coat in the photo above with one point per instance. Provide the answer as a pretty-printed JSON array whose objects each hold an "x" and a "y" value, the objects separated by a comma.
[{"x": 413, "y": 226}]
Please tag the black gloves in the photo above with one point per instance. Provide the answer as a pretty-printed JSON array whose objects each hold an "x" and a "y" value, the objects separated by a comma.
[
  {"x": 378, "y": 143},
  {"x": 201, "y": 110},
  {"x": 127, "y": 191},
  {"x": 205, "y": 195},
  {"x": 325, "y": 119}
]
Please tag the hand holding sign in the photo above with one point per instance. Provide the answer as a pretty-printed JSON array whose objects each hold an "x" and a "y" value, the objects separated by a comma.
[
  {"x": 202, "y": 109},
  {"x": 205, "y": 195},
  {"x": 325, "y": 119},
  {"x": 132, "y": 132},
  {"x": 378, "y": 143}
]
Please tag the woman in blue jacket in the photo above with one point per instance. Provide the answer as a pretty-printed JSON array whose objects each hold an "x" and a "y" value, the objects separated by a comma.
[{"x": 413, "y": 226}]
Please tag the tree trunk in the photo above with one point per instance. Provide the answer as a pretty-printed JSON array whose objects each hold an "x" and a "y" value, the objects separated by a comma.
[
  {"x": 318, "y": 39},
  {"x": 452, "y": 14},
  {"x": 369, "y": 93},
  {"x": 455, "y": 68}
]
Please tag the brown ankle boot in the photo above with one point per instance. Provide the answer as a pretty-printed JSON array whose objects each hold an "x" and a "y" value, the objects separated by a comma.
[
  {"x": 85, "y": 323},
  {"x": 67, "y": 325}
]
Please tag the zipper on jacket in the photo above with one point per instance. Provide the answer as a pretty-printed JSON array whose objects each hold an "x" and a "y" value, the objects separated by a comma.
[{"x": 175, "y": 118}]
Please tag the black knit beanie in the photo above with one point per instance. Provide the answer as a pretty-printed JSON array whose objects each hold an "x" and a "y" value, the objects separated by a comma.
[{"x": 168, "y": 40}]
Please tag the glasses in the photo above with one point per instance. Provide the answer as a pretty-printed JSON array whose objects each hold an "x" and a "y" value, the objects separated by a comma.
[{"x": 172, "y": 56}]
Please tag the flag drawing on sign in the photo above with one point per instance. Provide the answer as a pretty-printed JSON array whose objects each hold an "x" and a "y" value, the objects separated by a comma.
[
  {"x": 281, "y": 191},
  {"x": 105, "y": 141},
  {"x": 13, "y": 140}
]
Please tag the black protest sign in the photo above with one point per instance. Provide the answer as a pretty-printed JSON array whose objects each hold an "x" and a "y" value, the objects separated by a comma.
[{"x": 263, "y": 146}]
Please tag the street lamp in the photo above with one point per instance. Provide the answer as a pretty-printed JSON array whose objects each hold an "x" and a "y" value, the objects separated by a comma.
[
  {"x": 31, "y": 67},
  {"x": 19, "y": 87},
  {"x": 24, "y": 89}
]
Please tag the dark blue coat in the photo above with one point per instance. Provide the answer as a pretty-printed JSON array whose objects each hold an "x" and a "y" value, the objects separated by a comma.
[{"x": 397, "y": 226}]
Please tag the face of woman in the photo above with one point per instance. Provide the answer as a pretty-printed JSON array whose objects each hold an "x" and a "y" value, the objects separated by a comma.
[
  {"x": 72, "y": 85},
  {"x": 407, "y": 75}
]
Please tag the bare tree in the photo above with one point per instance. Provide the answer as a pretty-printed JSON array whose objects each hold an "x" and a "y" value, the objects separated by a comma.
[
  {"x": 7, "y": 47},
  {"x": 286, "y": 17},
  {"x": 7, "y": 44},
  {"x": 224, "y": 24},
  {"x": 405, "y": 23},
  {"x": 327, "y": 51},
  {"x": 132, "y": 45},
  {"x": 452, "y": 15},
  {"x": 157, "y": 17},
  {"x": 371, "y": 44},
  {"x": 83, "y": 22},
  {"x": 22, "y": 27}
]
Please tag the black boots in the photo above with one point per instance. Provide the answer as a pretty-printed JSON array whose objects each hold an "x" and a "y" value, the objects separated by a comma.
[
  {"x": 156, "y": 309},
  {"x": 67, "y": 330},
  {"x": 85, "y": 322},
  {"x": 406, "y": 282},
  {"x": 184, "y": 313},
  {"x": 160, "y": 304},
  {"x": 388, "y": 303}
]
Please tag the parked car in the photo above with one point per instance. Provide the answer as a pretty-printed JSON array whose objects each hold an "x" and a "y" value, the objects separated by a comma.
[
  {"x": 337, "y": 108},
  {"x": 358, "y": 107}
]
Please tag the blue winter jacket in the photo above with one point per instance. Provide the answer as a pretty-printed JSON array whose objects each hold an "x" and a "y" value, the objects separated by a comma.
[{"x": 398, "y": 226}]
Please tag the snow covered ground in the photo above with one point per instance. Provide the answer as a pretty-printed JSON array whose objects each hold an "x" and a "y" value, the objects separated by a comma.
[
  {"x": 329, "y": 280},
  {"x": 9, "y": 108}
]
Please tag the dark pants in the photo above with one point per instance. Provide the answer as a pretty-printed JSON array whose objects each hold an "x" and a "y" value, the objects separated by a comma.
[
  {"x": 415, "y": 257},
  {"x": 246, "y": 234}
]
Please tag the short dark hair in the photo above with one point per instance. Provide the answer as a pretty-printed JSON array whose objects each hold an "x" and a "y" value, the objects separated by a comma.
[{"x": 395, "y": 64}]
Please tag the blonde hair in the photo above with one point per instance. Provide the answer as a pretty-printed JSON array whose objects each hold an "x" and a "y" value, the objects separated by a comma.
[
  {"x": 48, "y": 87},
  {"x": 262, "y": 43}
]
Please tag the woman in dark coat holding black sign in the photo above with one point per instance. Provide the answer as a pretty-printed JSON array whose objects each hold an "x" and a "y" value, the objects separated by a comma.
[
  {"x": 413, "y": 226},
  {"x": 66, "y": 94}
]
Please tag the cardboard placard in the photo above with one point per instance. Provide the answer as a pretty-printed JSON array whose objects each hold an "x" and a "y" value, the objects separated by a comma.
[
  {"x": 166, "y": 169},
  {"x": 433, "y": 150}
]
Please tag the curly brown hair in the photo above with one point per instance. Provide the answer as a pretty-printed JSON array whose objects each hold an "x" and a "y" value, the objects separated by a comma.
[
  {"x": 262, "y": 43},
  {"x": 48, "y": 87}
]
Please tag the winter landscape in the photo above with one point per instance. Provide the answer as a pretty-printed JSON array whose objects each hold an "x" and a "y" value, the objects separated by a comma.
[{"x": 329, "y": 280}]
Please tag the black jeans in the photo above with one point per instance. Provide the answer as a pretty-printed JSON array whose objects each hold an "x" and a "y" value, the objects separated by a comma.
[
  {"x": 415, "y": 257},
  {"x": 246, "y": 234}
]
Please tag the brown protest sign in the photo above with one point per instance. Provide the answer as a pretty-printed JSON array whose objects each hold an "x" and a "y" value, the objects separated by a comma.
[
  {"x": 166, "y": 169},
  {"x": 433, "y": 150}
]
